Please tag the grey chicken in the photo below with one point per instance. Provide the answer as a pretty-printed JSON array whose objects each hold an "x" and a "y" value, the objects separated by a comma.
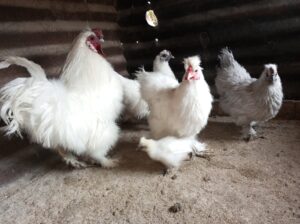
[{"x": 248, "y": 100}]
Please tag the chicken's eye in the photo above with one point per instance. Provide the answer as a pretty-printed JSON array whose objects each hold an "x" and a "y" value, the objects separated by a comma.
[
  {"x": 92, "y": 38},
  {"x": 196, "y": 70}
]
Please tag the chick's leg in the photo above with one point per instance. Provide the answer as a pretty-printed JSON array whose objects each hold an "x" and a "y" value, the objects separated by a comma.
[{"x": 71, "y": 159}]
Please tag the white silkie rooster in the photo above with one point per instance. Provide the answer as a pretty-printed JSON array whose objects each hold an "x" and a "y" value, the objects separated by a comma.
[{"x": 75, "y": 114}]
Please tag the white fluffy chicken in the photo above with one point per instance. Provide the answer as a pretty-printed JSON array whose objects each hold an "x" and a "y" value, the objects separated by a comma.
[
  {"x": 178, "y": 110},
  {"x": 248, "y": 100},
  {"x": 161, "y": 63},
  {"x": 134, "y": 105},
  {"x": 170, "y": 151},
  {"x": 75, "y": 114}
]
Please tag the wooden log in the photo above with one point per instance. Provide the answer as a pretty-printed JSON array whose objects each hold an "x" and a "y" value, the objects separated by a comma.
[
  {"x": 134, "y": 16},
  {"x": 13, "y": 40},
  {"x": 218, "y": 37},
  {"x": 10, "y": 13},
  {"x": 7, "y": 27},
  {"x": 289, "y": 110},
  {"x": 196, "y": 21},
  {"x": 56, "y": 5},
  {"x": 284, "y": 52}
]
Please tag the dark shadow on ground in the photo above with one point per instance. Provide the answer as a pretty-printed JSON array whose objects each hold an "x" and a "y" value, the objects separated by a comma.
[{"x": 229, "y": 131}]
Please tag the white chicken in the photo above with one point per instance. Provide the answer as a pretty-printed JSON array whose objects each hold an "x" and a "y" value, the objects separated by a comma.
[
  {"x": 74, "y": 114},
  {"x": 248, "y": 100},
  {"x": 161, "y": 63},
  {"x": 178, "y": 110},
  {"x": 135, "y": 105},
  {"x": 170, "y": 151}
]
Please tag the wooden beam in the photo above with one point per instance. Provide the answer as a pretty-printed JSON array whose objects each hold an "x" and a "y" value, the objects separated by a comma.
[
  {"x": 196, "y": 21},
  {"x": 290, "y": 110}
]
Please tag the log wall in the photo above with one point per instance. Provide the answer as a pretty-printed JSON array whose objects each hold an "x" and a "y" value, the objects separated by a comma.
[
  {"x": 257, "y": 31},
  {"x": 43, "y": 30}
]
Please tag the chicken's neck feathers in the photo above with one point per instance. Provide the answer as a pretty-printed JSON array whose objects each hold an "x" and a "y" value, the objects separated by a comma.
[
  {"x": 192, "y": 86},
  {"x": 85, "y": 70},
  {"x": 262, "y": 86},
  {"x": 193, "y": 96},
  {"x": 164, "y": 68}
]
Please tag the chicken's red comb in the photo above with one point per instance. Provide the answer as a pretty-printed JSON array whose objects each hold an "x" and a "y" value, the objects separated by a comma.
[{"x": 98, "y": 32}]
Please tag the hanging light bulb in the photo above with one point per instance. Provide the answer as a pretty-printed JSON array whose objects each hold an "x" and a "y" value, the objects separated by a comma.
[
  {"x": 156, "y": 40},
  {"x": 151, "y": 17},
  {"x": 137, "y": 42}
]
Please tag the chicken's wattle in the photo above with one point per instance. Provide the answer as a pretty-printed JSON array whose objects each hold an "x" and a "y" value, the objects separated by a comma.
[
  {"x": 94, "y": 44},
  {"x": 99, "y": 50}
]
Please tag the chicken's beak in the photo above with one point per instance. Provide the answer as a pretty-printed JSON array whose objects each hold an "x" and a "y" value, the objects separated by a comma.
[
  {"x": 271, "y": 78},
  {"x": 170, "y": 57},
  {"x": 99, "y": 48},
  {"x": 271, "y": 75},
  {"x": 188, "y": 74},
  {"x": 101, "y": 39},
  {"x": 191, "y": 74}
]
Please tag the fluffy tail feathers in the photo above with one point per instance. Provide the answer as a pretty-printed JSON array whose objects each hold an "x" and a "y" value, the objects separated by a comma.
[
  {"x": 226, "y": 58},
  {"x": 135, "y": 105},
  {"x": 9, "y": 102},
  {"x": 15, "y": 96},
  {"x": 35, "y": 70}
]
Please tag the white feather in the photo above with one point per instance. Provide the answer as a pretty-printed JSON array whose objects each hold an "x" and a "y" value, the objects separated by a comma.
[
  {"x": 170, "y": 151},
  {"x": 134, "y": 104}
]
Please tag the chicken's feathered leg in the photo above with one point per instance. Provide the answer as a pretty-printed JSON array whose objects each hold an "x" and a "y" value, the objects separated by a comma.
[
  {"x": 248, "y": 131},
  {"x": 98, "y": 150},
  {"x": 199, "y": 148},
  {"x": 70, "y": 159},
  {"x": 100, "y": 158}
]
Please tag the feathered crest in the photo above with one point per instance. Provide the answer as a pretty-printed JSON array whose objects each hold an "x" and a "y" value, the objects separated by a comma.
[
  {"x": 226, "y": 57},
  {"x": 192, "y": 61}
]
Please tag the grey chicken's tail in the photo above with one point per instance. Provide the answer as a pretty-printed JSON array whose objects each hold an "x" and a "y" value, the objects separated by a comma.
[{"x": 226, "y": 58}]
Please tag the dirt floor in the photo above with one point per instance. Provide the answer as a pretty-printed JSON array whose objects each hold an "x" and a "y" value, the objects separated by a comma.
[{"x": 256, "y": 182}]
